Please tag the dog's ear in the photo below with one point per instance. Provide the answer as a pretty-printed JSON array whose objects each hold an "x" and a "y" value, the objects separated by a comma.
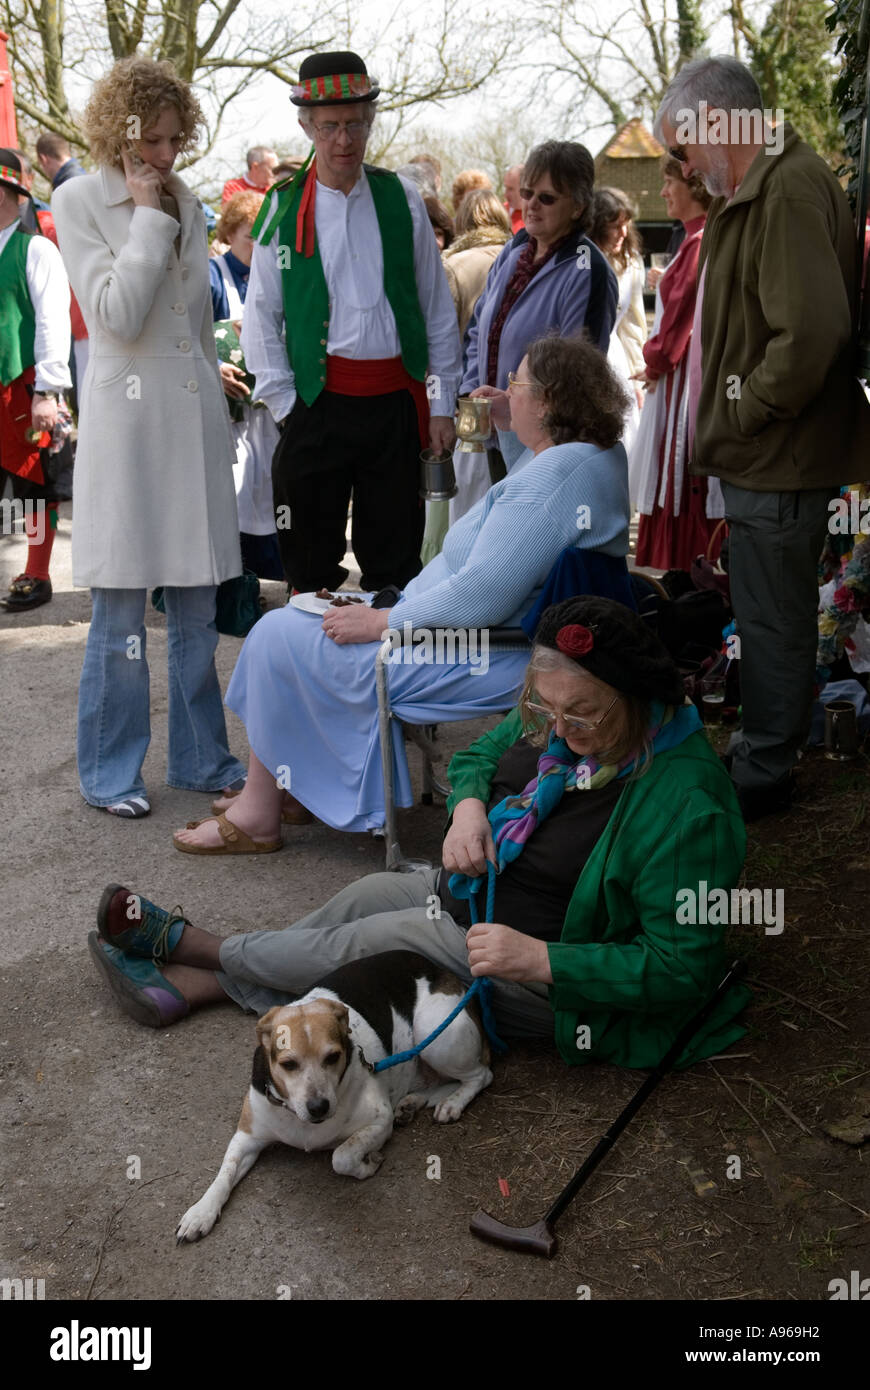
[
  {"x": 264, "y": 1027},
  {"x": 339, "y": 1012},
  {"x": 342, "y": 1018}
]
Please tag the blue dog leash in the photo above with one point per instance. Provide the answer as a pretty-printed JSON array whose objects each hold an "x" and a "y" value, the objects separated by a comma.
[{"x": 482, "y": 987}]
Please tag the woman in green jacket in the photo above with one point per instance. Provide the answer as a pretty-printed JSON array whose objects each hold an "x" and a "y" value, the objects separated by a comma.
[{"x": 592, "y": 940}]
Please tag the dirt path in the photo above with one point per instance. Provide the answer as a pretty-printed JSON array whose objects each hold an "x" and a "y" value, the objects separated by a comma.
[{"x": 85, "y": 1092}]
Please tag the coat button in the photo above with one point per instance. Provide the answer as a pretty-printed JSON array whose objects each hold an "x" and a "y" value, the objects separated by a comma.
[
  {"x": 179, "y": 308},
  {"x": 326, "y": 323},
  {"x": 193, "y": 386},
  {"x": 323, "y": 361},
  {"x": 184, "y": 345},
  {"x": 323, "y": 378},
  {"x": 323, "y": 342}
]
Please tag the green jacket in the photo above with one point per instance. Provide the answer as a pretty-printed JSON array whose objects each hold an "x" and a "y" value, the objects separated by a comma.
[
  {"x": 780, "y": 408},
  {"x": 625, "y": 967}
]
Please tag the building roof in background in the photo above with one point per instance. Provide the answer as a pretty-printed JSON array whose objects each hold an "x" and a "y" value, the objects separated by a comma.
[
  {"x": 632, "y": 141},
  {"x": 631, "y": 160}
]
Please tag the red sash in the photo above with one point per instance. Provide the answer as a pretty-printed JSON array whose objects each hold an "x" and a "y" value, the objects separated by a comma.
[
  {"x": 377, "y": 376},
  {"x": 18, "y": 454}
]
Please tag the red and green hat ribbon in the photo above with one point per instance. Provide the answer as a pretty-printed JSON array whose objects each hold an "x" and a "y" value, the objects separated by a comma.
[{"x": 342, "y": 86}]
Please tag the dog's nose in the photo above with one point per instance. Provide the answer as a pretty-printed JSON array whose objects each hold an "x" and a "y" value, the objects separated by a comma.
[{"x": 317, "y": 1109}]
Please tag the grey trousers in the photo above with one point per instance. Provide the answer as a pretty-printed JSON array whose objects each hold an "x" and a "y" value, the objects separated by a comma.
[
  {"x": 382, "y": 912},
  {"x": 776, "y": 539}
]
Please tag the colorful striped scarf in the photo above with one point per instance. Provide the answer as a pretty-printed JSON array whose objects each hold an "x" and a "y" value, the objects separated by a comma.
[{"x": 516, "y": 818}]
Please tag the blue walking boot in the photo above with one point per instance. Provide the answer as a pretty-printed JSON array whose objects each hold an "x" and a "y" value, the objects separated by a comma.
[
  {"x": 138, "y": 927},
  {"x": 138, "y": 985}
]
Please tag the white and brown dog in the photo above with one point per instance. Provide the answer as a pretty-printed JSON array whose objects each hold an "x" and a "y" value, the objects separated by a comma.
[{"x": 312, "y": 1084}]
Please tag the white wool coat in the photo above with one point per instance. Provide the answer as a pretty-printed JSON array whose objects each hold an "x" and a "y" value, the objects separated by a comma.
[{"x": 154, "y": 496}]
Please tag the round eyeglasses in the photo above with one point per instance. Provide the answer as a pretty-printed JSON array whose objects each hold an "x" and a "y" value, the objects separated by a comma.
[
  {"x": 329, "y": 129},
  {"x": 551, "y": 716}
]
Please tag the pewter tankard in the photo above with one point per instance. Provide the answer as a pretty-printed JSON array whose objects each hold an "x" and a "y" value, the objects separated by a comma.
[{"x": 437, "y": 478}]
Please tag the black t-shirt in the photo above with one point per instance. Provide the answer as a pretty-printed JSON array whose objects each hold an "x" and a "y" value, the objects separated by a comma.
[{"x": 533, "y": 892}]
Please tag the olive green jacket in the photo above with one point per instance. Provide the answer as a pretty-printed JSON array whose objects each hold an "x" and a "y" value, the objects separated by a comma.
[
  {"x": 780, "y": 408},
  {"x": 625, "y": 969}
]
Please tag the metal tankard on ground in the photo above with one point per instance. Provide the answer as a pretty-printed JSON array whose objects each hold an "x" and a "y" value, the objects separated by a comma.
[{"x": 841, "y": 730}]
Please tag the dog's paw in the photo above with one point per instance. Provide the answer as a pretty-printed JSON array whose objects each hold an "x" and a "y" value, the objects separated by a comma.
[
  {"x": 446, "y": 1111},
  {"x": 356, "y": 1166},
  {"x": 369, "y": 1165},
  {"x": 197, "y": 1221},
  {"x": 407, "y": 1109}
]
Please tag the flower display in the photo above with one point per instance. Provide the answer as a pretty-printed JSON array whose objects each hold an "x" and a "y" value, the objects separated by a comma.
[{"x": 575, "y": 639}]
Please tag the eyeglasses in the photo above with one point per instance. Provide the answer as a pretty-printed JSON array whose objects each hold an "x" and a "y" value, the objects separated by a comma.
[
  {"x": 329, "y": 129},
  {"x": 552, "y": 715},
  {"x": 548, "y": 199},
  {"x": 676, "y": 153},
  {"x": 514, "y": 380}
]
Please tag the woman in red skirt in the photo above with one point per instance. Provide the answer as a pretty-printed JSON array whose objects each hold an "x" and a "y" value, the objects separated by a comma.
[{"x": 678, "y": 512}]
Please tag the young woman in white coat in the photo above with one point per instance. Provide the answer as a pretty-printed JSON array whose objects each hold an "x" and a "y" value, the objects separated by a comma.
[
  {"x": 155, "y": 502},
  {"x": 614, "y": 232}
]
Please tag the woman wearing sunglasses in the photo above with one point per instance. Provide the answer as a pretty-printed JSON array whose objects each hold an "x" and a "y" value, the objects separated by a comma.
[
  {"x": 600, "y": 801},
  {"x": 550, "y": 278}
]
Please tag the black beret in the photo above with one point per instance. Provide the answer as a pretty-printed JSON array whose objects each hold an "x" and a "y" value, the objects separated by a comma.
[{"x": 613, "y": 644}]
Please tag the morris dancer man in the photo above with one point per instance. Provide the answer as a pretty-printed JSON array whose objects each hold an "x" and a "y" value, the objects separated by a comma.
[
  {"x": 348, "y": 267},
  {"x": 34, "y": 347}
]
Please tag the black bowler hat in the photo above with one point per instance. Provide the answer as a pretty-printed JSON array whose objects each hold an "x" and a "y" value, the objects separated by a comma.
[
  {"x": 333, "y": 79},
  {"x": 614, "y": 644},
  {"x": 10, "y": 172}
]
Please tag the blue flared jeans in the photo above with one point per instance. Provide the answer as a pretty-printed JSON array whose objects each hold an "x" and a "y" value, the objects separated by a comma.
[{"x": 114, "y": 718}]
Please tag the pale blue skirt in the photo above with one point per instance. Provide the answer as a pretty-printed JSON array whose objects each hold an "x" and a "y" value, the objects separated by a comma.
[{"x": 311, "y": 712}]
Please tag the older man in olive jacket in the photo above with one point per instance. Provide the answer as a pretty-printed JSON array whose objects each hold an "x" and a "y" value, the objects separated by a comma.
[{"x": 775, "y": 408}]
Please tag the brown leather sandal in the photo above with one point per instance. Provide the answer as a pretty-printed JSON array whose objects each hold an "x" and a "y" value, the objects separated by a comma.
[
  {"x": 297, "y": 814},
  {"x": 235, "y": 841}
]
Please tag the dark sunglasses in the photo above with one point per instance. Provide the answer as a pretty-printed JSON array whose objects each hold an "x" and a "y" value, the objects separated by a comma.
[
  {"x": 677, "y": 153},
  {"x": 548, "y": 199}
]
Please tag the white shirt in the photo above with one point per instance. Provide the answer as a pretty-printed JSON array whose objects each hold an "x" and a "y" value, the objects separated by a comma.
[
  {"x": 361, "y": 323},
  {"x": 49, "y": 294}
]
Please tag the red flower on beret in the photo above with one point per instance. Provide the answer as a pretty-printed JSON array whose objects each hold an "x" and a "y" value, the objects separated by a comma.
[{"x": 574, "y": 640}]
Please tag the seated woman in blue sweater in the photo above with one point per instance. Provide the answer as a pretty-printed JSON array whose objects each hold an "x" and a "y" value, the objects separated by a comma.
[{"x": 304, "y": 685}]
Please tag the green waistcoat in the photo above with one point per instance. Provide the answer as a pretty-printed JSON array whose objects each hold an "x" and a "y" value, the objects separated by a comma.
[
  {"x": 17, "y": 315},
  {"x": 306, "y": 297}
]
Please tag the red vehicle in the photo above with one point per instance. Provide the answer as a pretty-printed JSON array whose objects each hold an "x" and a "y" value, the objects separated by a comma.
[{"x": 8, "y": 129}]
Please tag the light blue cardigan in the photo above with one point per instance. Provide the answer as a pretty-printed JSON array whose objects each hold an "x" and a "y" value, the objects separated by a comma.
[{"x": 496, "y": 558}]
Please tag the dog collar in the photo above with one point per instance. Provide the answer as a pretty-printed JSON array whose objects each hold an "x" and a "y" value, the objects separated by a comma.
[{"x": 272, "y": 1095}]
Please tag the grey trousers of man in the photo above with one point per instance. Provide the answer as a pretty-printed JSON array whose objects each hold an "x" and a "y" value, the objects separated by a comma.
[
  {"x": 776, "y": 539},
  {"x": 382, "y": 912}
]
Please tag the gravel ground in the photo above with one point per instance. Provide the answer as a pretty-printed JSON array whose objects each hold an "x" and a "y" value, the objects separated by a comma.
[{"x": 113, "y": 1130}]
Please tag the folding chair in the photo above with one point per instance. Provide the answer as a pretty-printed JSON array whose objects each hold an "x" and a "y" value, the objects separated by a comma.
[
  {"x": 576, "y": 571},
  {"x": 501, "y": 639}
]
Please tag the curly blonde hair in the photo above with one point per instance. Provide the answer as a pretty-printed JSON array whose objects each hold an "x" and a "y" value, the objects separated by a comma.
[
  {"x": 242, "y": 208},
  {"x": 140, "y": 88},
  {"x": 464, "y": 182}
]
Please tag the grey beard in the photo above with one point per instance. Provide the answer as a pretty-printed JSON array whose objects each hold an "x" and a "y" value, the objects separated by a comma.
[{"x": 718, "y": 181}]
